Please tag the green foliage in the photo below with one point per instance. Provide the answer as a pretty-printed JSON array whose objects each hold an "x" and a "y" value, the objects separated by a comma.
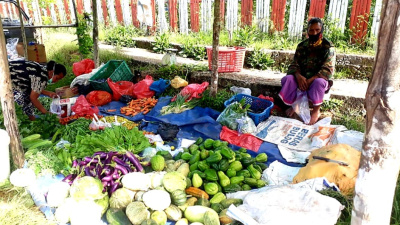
[
  {"x": 83, "y": 32},
  {"x": 122, "y": 35},
  {"x": 395, "y": 219},
  {"x": 245, "y": 36},
  {"x": 332, "y": 104},
  {"x": 23, "y": 121},
  {"x": 216, "y": 102},
  {"x": 162, "y": 43},
  {"x": 259, "y": 59},
  {"x": 193, "y": 50}
]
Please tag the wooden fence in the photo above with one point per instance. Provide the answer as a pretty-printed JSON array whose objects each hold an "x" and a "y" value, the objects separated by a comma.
[{"x": 269, "y": 14}]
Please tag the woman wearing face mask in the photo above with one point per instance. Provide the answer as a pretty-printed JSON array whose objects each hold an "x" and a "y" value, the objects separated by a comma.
[
  {"x": 29, "y": 80},
  {"x": 312, "y": 67}
]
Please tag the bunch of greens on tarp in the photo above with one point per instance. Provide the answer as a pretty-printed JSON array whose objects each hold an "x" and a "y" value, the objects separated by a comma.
[{"x": 117, "y": 138}]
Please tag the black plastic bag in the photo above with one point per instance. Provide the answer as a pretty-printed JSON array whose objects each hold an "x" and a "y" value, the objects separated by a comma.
[
  {"x": 167, "y": 131},
  {"x": 126, "y": 98}
]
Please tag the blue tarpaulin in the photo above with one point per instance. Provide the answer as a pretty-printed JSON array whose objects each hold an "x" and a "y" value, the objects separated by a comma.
[{"x": 194, "y": 123}]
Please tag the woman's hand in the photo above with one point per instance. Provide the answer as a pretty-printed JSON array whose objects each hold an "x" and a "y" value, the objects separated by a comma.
[
  {"x": 49, "y": 93},
  {"x": 302, "y": 82}
]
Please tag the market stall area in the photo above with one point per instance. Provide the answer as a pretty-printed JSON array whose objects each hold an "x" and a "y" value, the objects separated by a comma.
[{"x": 119, "y": 151}]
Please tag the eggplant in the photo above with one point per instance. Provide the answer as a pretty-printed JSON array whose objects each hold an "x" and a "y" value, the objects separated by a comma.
[
  {"x": 116, "y": 176},
  {"x": 68, "y": 178},
  {"x": 114, "y": 187},
  {"x": 83, "y": 163},
  {"x": 121, "y": 168},
  {"x": 74, "y": 163},
  {"x": 102, "y": 155},
  {"x": 87, "y": 171},
  {"x": 107, "y": 178},
  {"x": 119, "y": 161},
  {"x": 134, "y": 161}
]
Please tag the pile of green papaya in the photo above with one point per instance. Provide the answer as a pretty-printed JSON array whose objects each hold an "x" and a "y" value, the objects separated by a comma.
[{"x": 214, "y": 167}]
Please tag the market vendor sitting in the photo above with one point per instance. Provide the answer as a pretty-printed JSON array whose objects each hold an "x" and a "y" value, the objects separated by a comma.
[
  {"x": 29, "y": 80},
  {"x": 312, "y": 67}
]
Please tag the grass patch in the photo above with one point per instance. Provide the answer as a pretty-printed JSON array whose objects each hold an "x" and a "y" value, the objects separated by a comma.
[{"x": 17, "y": 207}]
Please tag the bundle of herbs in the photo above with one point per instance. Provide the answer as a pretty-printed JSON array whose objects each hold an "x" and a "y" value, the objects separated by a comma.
[
  {"x": 180, "y": 105},
  {"x": 117, "y": 138},
  {"x": 70, "y": 131},
  {"x": 46, "y": 125}
]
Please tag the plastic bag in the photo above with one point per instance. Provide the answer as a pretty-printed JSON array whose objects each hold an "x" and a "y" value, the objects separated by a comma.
[
  {"x": 228, "y": 117},
  {"x": 193, "y": 91},
  {"x": 142, "y": 88},
  {"x": 120, "y": 88},
  {"x": 98, "y": 98},
  {"x": 55, "y": 106},
  {"x": 126, "y": 98},
  {"x": 82, "y": 107},
  {"x": 160, "y": 86},
  {"x": 247, "y": 141},
  {"x": 167, "y": 131},
  {"x": 246, "y": 125},
  {"x": 301, "y": 106},
  {"x": 12, "y": 48},
  {"x": 178, "y": 82},
  {"x": 83, "y": 67},
  {"x": 241, "y": 90}
]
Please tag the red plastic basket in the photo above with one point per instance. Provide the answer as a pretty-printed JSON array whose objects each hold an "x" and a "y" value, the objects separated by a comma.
[{"x": 230, "y": 59}]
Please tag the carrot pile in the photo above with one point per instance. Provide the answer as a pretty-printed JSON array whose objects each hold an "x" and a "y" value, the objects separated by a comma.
[
  {"x": 66, "y": 120},
  {"x": 137, "y": 106}
]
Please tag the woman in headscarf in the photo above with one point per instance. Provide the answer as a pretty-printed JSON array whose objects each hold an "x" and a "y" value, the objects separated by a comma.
[
  {"x": 312, "y": 67},
  {"x": 29, "y": 80}
]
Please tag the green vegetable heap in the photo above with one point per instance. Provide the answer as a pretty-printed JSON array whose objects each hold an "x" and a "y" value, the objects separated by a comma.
[{"x": 216, "y": 168}]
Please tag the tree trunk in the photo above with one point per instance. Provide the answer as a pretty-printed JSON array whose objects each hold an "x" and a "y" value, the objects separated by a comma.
[
  {"x": 95, "y": 35},
  {"x": 380, "y": 159},
  {"x": 7, "y": 104},
  {"x": 216, "y": 31}
]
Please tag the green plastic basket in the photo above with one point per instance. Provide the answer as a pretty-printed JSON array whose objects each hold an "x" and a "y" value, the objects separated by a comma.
[{"x": 116, "y": 70}]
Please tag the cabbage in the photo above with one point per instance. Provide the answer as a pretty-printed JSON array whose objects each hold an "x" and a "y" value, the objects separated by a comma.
[
  {"x": 86, "y": 212},
  {"x": 58, "y": 192},
  {"x": 87, "y": 188},
  {"x": 174, "y": 181},
  {"x": 120, "y": 199},
  {"x": 63, "y": 212},
  {"x": 103, "y": 203},
  {"x": 156, "y": 178},
  {"x": 157, "y": 199},
  {"x": 136, "y": 181}
]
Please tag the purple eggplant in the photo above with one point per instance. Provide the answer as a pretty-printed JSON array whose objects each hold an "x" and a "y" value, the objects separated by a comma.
[
  {"x": 134, "y": 161},
  {"x": 74, "y": 163},
  {"x": 68, "y": 178},
  {"x": 119, "y": 161},
  {"x": 121, "y": 168},
  {"x": 102, "y": 155},
  {"x": 107, "y": 179},
  {"x": 116, "y": 176},
  {"x": 87, "y": 171},
  {"x": 83, "y": 163},
  {"x": 114, "y": 187}
]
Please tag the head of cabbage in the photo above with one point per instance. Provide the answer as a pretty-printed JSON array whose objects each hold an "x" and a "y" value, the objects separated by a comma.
[{"x": 87, "y": 188}]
